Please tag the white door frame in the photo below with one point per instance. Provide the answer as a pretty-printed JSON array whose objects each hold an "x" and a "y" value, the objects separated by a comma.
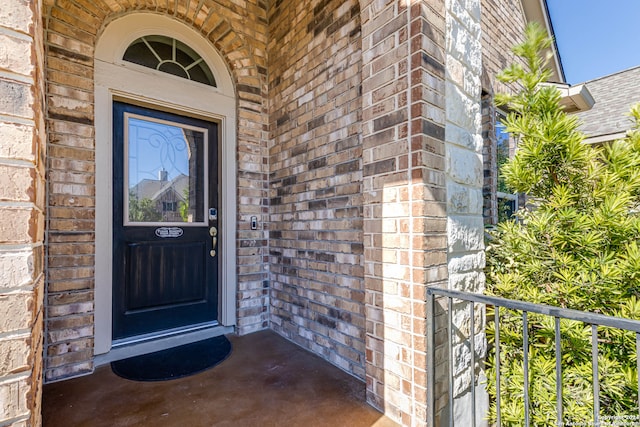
[{"x": 117, "y": 79}]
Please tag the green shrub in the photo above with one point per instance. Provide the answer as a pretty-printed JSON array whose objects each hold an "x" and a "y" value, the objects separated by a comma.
[{"x": 575, "y": 245}]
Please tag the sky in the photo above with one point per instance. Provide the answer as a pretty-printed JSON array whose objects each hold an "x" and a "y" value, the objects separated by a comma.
[
  {"x": 153, "y": 147},
  {"x": 596, "y": 37}
]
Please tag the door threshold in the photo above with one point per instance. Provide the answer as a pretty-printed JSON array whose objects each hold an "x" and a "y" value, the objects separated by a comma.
[{"x": 123, "y": 349}]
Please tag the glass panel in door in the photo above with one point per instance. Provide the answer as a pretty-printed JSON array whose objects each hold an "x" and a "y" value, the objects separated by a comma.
[{"x": 164, "y": 180}]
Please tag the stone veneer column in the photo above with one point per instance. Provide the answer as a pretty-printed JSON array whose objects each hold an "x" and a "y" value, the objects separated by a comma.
[
  {"x": 464, "y": 180},
  {"x": 21, "y": 211},
  {"x": 404, "y": 195}
]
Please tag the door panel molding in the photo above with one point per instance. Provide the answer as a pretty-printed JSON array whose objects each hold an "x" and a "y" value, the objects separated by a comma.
[
  {"x": 138, "y": 86},
  {"x": 150, "y": 255}
]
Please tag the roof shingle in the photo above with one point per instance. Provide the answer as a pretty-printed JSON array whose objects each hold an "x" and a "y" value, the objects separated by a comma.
[{"x": 614, "y": 95}]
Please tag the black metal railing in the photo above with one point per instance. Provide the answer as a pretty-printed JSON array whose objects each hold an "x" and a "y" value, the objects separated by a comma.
[{"x": 593, "y": 319}]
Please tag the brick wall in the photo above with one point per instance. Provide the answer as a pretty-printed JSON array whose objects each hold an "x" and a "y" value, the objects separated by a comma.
[
  {"x": 362, "y": 161},
  {"x": 22, "y": 151},
  {"x": 503, "y": 24},
  {"x": 404, "y": 195},
  {"x": 316, "y": 250},
  {"x": 489, "y": 161},
  {"x": 237, "y": 29}
]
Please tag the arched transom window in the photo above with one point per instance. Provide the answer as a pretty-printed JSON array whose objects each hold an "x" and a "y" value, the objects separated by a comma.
[{"x": 170, "y": 56}]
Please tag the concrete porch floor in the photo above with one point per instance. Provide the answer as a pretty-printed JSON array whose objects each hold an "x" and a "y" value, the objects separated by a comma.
[{"x": 267, "y": 381}]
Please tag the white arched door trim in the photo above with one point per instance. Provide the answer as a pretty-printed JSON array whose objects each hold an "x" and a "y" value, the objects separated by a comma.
[{"x": 120, "y": 80}]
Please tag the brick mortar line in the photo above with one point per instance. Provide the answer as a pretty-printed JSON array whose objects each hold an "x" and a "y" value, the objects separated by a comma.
[
  {"x": 19, "y": 247},
  {"x": 62, "y": 85},
  {"x": 14, "y": 120},
  {"x": 21, "y": 163},
  {"x": 81, "y": 77},
  {"x": 48, "y": 30},
  {"x": 13, "y": 421},
  {"x": 15, "y": 335},
  {"x": 16, "y": 34},
  {"x": 68, "y": 377},
  {"x": 12, "y": 378},
  {"x": 16, "y": 77},
  {"x": 26, "y": 288},
  {"x": 20, "y": 205}
]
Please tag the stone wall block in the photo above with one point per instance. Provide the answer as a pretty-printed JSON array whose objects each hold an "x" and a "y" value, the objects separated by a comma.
[
  {"x": 472, "y": 281},
  {"x": 17, "y": 141},
  {"x": 463, "y": 110},
  {"x": 18, "y": 311},
  {"x": 463, "y": 137},
  {"x": 14, "y": 400},
  {"x": 462, "y": 362},
  {"x": 15, "y": 356},
  {"x": 20, "y": 225},
  {"x": 17, "y": 268},
  {"x": 464, "y": 166},
  {"x": 463, "y": 199},
  {"x": 16, "y": 98},
  {"x": 17, "y": 183},
  {"x": 467, "y": 13},
  {"x": 13, "y": 50},
  {"x": 460, "y": 263},
  {"x": 465, "y": 234},
  {"x": 463, "y": 46},
  {"x": 17, "y": 15},
  {"x": 472, "y": 83}
]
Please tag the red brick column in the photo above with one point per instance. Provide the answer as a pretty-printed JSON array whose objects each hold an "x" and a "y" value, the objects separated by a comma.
[
  {"x": 21, "y": 212},
  {"x": 404, "y": 195}
]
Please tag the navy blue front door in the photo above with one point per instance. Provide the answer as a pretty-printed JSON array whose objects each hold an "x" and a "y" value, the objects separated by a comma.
[{"x": 165, "y": 260}]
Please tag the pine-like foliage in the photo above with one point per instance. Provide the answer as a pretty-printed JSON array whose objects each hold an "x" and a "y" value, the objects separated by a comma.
[{"x": 575, "y": 245}]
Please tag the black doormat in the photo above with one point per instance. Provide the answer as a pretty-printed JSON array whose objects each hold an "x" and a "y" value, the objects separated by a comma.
[{"x": 174, "y": 362}]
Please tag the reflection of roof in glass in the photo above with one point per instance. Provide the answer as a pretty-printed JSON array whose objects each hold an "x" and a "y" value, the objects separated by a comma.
[
  {"x": 169, "y": 56},
  {"x": 154, "y": 188}
]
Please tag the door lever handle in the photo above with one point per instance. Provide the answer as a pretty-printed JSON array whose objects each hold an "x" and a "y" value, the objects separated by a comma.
[{"x": 213, "y": 232}]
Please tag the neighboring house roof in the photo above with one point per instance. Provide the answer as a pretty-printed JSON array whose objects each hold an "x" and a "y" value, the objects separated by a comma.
[
  {"x": 154, "y": 188},
  {"x": 614, "y": 95}
]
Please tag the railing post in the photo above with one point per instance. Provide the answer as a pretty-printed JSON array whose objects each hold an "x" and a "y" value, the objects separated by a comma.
[
  {"x": 638, "y": 367},
  {"x": 472, "y": 343},
  {"x": 497, "y": 345},
  {"x": 525, "y": 349},
  {"x": 596, "y": 383},
  {"x": 558, "y": 374},
  {"x": 431, "y": 362},
  {"x": 450, "y": 333}
]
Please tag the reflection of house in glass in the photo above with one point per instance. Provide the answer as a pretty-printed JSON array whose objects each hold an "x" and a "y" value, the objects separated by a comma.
[{"x": 160, "y": 200}]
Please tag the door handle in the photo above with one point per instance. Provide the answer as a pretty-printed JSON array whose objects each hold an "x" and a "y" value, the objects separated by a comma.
[{"x": 213, "y": 232}]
